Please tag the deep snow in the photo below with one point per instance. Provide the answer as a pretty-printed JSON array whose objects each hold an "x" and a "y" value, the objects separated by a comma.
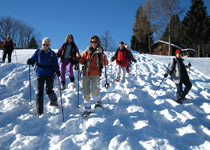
[{"x": 134, "y": 117}]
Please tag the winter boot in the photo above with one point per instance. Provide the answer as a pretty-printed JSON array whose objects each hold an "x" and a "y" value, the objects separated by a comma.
[
  {"x": 87, "y": 109},
  {"x": 63, "y": 85},
  {"x": 53, "y": 103},
  {"x": 99, "y": 105},
  {"x": 127, "y": 69},
  {"x": 117, "y": 79},
  {"x": 179, "y": 101}
]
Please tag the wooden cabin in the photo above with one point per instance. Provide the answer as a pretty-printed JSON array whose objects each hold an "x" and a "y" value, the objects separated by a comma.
[
  {"x": 188, "y": 52},
  {"x": 162, "y": 48}
]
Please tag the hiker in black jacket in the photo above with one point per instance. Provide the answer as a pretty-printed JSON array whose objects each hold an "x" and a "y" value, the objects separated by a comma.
[
  {"x": 8, "y": 47},
  {"x": 178, "y": 72}
]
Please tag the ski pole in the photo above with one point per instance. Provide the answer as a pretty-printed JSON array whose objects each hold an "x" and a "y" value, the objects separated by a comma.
[
  {"x": 159, "y": 85},
  {"x": 106, "y": 84},
  {"x": 78, "y": 88},
  {"x": 111, "y": 70},
  {"x": 61, "y": 98},
  {"x": 16, "y": 56},
  {"x": 189, "y": 72},
  {"x": 30, "y": 84}
]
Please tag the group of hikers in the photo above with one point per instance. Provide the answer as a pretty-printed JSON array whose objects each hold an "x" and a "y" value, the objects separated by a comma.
[{"x": 93, "y": 59}]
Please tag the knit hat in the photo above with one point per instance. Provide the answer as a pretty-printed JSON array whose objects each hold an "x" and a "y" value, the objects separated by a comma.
[{"x": 178, "y": 51}]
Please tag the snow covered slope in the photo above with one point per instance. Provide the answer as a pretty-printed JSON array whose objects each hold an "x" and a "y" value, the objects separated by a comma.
[{"x": 134, "y": 117}]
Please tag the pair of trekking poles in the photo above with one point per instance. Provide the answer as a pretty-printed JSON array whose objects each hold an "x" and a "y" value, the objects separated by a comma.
[
  {"x": 164, "y": 79},
  {"x": 30, "y": 102}
]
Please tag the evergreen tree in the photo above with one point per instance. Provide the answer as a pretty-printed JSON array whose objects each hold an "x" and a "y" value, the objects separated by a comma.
[
  {"x": 196, "y": 28},
  {"x": 176, "y": 27},
  {"x": 32, "y": 44},
  {"x": 141, "y": 32}
]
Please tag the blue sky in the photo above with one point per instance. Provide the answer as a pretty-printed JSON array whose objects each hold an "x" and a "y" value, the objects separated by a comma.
[{"x": 83, "y": 18}]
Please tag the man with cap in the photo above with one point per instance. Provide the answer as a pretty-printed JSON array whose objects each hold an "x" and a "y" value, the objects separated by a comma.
[{"x": 178, "y": 72}]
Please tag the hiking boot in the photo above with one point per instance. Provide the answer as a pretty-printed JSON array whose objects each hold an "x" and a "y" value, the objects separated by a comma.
[
  {"x": 88, "y": 108},
  {"x": 179, "y": 101},
  {"x": 117, "y": 79},
  {"x": 63, "y": 85},
  {"x": 53, "y": 103},
  {"x": 98, "y": 104},
  {"x": 86, "y": 114}
]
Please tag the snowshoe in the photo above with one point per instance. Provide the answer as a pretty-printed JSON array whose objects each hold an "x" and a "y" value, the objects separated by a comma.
[
  {"x": 53, "y": 103},
  {"x": 117, "y": 80},
  {"x": 99, "y": 105},
  {"x": 86, "y": 114},
  {"x": 179, "y": 101},
  {"x": 63, "y": 85}
]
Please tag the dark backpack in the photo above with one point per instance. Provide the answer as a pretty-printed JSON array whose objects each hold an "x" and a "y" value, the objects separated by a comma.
[
  {"x": 43, "y": 66},
  {"x": 174, "y": 62}
]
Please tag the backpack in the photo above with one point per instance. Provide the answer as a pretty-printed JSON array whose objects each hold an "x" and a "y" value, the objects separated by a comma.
[
  {"x": 43, "y": 66},
  {"x": 174, "y": 62},
  {"x": 99, "y": 61}
]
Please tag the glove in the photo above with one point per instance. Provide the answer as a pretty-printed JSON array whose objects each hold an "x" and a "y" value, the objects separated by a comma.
[
  {"x": 113, "y": 58},
  {"x": 134, "y": 60},
  {"x": 58, "y": 73},
  {"x": 29, "y": 61},
  {"x": 165, "y": 75},
  {"x": 189, "y": 64}
]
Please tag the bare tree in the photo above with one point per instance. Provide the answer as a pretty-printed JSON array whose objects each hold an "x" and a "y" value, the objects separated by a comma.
[
  {"x": 20, "y": 32},
  {"x": 168, "y": 8},
  {"x": 107, "y": 42},
  {"x": 152, "y": 12}
]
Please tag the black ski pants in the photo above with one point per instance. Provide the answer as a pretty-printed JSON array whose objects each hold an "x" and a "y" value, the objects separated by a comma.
[
  {"x": 180, "y": 93},
  {"x": 40, "y": 90},
  {"x": 5, "y": 53}
]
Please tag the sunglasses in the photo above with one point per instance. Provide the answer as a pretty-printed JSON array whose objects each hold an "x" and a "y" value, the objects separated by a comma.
[
  {"x": 45, "y": 45},
  {"x": 93, "y": 42}
]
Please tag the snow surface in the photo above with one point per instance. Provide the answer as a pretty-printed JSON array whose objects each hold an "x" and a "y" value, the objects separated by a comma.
[{"x": 134, "y": 117}]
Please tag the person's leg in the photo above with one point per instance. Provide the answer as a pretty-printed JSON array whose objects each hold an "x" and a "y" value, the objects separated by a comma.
[
  {"x": 49, "y": 90},
  {"x": 86, "y": 92},
  {"x": 124, "y": 70},
  {"x": 179, "y": 92},
  {"x": 63, "y": 65},
  {"x": 95, "y": 87},
  {"x": 118, "y": 73},
  {"x": 71, "y": 74},
  {"x": 188, "y": 86},
  {"x": 4, "y": 56},
  {"x": 39, "y": 97},
  {"x": 9, "y": 56}
]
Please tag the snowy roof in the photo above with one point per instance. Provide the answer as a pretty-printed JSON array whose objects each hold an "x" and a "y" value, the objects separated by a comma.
[
  {"x": 189, "y": 49},
  {"x": 174, "y": 45}
]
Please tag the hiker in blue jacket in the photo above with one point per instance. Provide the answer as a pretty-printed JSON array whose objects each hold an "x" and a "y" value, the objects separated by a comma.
[{"x": 46, "y": 67}]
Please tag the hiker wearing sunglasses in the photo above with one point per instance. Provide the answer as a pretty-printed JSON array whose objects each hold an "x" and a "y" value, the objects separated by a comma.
[
  {"x": 93, "y": 60},
  {"x": 46, "y": 67}
]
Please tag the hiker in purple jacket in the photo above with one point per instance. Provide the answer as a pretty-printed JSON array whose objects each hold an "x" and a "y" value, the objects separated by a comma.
[{"x": 67, "y": 54}]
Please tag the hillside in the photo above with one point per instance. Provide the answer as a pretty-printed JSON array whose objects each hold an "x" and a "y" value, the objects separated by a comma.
[{"x": 134, "y": 117}]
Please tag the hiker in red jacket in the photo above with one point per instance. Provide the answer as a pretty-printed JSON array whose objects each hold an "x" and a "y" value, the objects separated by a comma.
[
  {"x": 8, "y": 47},
  {"x": 121, "y": 57}
]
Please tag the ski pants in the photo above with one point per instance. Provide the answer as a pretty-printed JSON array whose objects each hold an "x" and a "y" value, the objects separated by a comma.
[
  {"x": 63, "y": 65},
  {"x": 5, "y": 53},
  {"x": 89, "y": 82},
  {"x": 119, "y": 69},
  {"x": 180, "y": 93},
  {"x": 40, "y": 90}
]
